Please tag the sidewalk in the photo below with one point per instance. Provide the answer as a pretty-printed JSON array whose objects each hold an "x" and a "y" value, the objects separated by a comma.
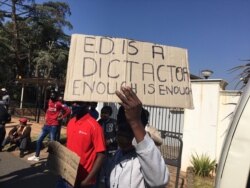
[{"x": 18, "y": 173}]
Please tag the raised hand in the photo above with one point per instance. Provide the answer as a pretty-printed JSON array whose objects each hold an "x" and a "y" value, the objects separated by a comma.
[
  {"x": 131, "y": 103},
  {"x": 133, "y": 108}
]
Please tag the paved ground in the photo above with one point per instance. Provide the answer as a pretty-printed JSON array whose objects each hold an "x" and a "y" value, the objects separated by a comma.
[
  {"x": 18, "y": 172},
  {"x": 21, "y": 173}
]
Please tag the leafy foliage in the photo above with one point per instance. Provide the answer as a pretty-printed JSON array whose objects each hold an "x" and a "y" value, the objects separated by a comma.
[
  {"x": 203, "y": 165},
  {"x": 244, "y": 73},
  {"x": 26, "y": 29}
]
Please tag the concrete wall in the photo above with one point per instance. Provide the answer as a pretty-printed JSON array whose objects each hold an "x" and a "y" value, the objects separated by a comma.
[
  {"x": 228, "y": 102},
  {"x": 205, "y": 125}
]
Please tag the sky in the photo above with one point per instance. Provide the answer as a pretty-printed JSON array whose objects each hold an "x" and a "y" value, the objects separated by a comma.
[{"x": 216, "y": 33}]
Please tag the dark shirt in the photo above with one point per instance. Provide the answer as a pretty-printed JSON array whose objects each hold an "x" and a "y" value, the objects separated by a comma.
[
  {"x": 94, "y": 113},
  {"x": 110, "y": 128},
  {"x": 3, "y": 115}
]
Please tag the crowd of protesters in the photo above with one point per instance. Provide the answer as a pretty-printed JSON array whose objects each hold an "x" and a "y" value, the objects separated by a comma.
[{"x": 114, "y": 152}]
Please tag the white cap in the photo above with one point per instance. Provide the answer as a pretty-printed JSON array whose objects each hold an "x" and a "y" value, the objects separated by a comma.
[{"x": 3, "y": 89}]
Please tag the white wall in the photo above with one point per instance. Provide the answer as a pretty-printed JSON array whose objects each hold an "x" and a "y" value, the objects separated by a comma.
[
  {"x": 205, "y": 125},
  {"x": 228, "y": 101}
]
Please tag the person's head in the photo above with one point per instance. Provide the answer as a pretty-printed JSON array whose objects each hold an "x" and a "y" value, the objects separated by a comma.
[
  {"x": 60, "y": 98},
  {"x": 79, "y": 109},
  {"x": 93, "y": 105},
  {"x": 53, "y": 96},
  {"x": 3, "y": 90},
  {"x": 125, "y": 134},
  {"x": 23, "y": 121},
  {"x": 106, "y": 112}
]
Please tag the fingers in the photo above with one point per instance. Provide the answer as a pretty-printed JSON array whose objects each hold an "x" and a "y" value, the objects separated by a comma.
[
  {"x": 122, "y": 98},
  {"x": 128, "y": 97}
]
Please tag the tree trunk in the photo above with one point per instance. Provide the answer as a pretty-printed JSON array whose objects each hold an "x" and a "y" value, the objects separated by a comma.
[{"x": 16, "y": 40}]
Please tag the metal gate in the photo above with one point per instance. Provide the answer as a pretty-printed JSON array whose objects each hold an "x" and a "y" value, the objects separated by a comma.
[{"x": 169, "y": 121}]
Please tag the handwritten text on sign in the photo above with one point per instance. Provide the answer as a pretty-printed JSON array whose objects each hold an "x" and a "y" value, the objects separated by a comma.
[{"x": 98, "y": 66}]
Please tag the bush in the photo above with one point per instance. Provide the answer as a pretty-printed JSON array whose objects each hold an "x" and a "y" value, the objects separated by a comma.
[{"x": 203, "y": 165}]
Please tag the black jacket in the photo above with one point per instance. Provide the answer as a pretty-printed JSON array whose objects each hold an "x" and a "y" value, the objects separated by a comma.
[{"x": 3, "y": 115}]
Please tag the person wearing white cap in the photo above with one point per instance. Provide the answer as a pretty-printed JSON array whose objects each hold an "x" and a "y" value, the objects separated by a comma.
[{"x": 5, "y": 98}]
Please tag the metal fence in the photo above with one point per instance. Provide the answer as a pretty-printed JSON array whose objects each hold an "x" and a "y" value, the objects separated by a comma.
[
  {"x": 166, "y": 119},
  {"x": 169, "y": 121}
]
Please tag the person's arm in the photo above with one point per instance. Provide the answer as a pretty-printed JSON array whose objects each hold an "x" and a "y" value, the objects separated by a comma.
[
  {"x": 148, "y": 154},
  {"x": 66, "y": 111},
  {"x": 99, "y": 145},
  {"x": 151, "y": 162},
  {"x": 12, "y": 131},
  {"x": 133, "y": 107},
  {"x": 96, "y": 167}
]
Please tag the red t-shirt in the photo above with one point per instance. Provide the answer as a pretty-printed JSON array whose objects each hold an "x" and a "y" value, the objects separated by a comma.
[
  {"x": 53, "y": 111},
  {"x": 85, "y": 138}
]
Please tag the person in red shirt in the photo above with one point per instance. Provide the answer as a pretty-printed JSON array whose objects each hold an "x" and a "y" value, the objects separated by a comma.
[
  {"x": 52, "y": 116},
  {"x": 85, "y": 137}
]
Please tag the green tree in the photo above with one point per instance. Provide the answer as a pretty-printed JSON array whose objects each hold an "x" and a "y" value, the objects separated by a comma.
[
  {"x": 26, "y": 28},
  {"x": 49, "y": 63},
  {"x": 243, "y": 74}
]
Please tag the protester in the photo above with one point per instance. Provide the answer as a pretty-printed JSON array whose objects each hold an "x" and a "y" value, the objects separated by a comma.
[
  {"x": 93, "y": 112},
  {"x": 85, "y": 138},
  {"x": 5, "y": 98},
  {"x": 3, "y": 119},
  {"x": 20, "y": 136},
  {"x": 110, "y": 128},
  {"x": 5, "y": 101},
  {"x": 52, "y": 117},
  {"x": 138, "y": 162},
  {"x": 62, "y": 120}
]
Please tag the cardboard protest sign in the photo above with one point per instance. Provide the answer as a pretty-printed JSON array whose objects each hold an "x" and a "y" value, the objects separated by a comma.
[
  {"x": 98, "y": 66},
  {"x": 63, "y": 162}
]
